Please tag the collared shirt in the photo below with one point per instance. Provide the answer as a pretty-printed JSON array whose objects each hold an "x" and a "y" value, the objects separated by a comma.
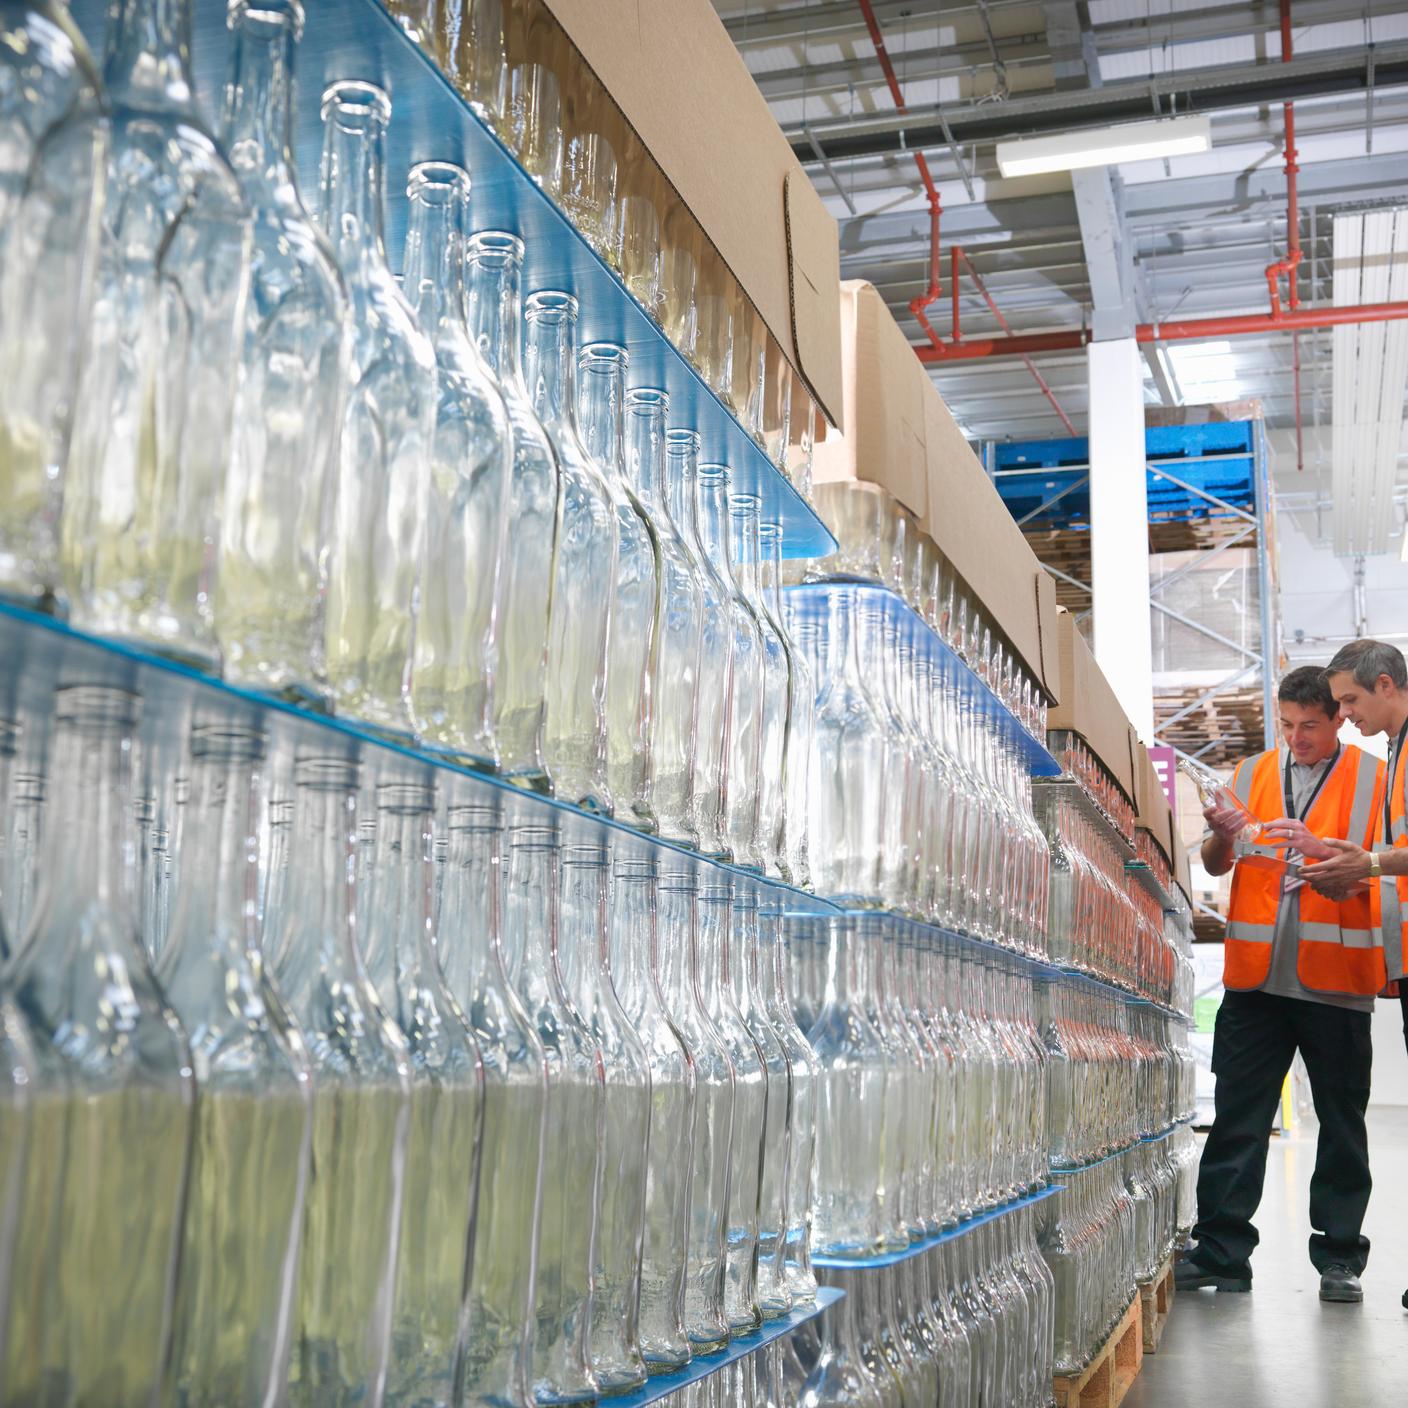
[{"x": 1282, "y": 979}]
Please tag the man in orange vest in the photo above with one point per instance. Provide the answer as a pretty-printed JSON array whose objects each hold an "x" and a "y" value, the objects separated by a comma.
[{"x": 1300, "y": 972}]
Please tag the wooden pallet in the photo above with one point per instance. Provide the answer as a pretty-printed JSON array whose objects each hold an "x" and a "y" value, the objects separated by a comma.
[
  {"x": 1156, "y": 1300},
  {"x": 1104, "y": 1382}
]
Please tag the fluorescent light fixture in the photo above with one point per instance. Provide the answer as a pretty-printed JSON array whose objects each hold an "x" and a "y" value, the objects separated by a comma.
[{"x": 1105, "y": 146}]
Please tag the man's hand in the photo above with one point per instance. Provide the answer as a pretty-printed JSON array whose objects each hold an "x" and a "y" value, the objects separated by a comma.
[
  {"x": 1227, "y": 822},
  {"x": 1346, "y": 872},
  {"x": 1301, "y": 837}
]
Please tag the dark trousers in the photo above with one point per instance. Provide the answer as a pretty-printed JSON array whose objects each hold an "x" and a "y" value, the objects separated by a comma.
[{"x": 1254, "y": 1042}]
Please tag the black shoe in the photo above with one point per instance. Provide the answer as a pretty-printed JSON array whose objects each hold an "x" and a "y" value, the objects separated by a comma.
[
  {"x": 1191, "y": 1275},
  {"x": 1338, "y": 1283}
]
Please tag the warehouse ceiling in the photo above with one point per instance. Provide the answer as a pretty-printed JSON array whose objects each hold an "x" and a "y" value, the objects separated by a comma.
[{"x": 1199, "y": 231}]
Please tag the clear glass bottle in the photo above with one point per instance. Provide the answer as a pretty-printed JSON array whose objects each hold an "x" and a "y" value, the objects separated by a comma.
[
  {"x": 635, "y": 611},
  {"x": 378, "y": 521},
  {"x": 617, "y": 1361},
  {"x": 250, "y": 1153},
  {"x": 579, "y": 625},
  {"x": 51, "y": 199},
  {"x": 477, "y": 958},
  {"x": 711, "y": 748},
  {"x": 22, "y": 846},
  {"x": 718, "y": 979},
  {"x": 109, "y": 1057},
  {"x": 801, "y": 714},
  {"x": 774, "y": 1293},
  {"x": 839, "y": 1379},
  {"x": 561, "y": 1367},
  {"x": 453, "y": 676},
  {"x": 638, "y": 967},
  {"x": 746, "y": 696},
  {"x": 292, "y": 388},
  {"x": 773, "y": 983},
  {"x": 361, "y": 1104},
  {"x": 772, "y": 743},
  {"x": 682, "y": 954},
  {"x": 494, "y": 263},
  {"x": 18, "y": 1094},
  {"x": 676, "y": 662},
  {"x": 436, "y": 1239},
  {"x": 152, "y": 421}
]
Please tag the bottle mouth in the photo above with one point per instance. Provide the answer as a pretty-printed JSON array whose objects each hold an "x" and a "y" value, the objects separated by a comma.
[
  {"x": 97, "y": 704},
  {"x": 635, "y": 869},
  {"x": 650, "y": 398},
  {"x": 405, "y": 798},
  {"x": 603, "y": 356},
  {"x": 714, "y": 476},
  {"x": 356, "y": 105},
  {"x": 227, "y": 742},
  {"x": 595, "y": 857},
  {"x": 478, "y": 817},
  {"x": 440, "y": 181},
  {"x": 275, "y": 14},
  {"x": 679, "y": 439},
  {"x": 744, "y": 504},
  {"x": 495, "y": 245},
  {"x": 326, "y": 774},
  {"x": 550, "y": 306},
  {"x": 534, "y": 837}
]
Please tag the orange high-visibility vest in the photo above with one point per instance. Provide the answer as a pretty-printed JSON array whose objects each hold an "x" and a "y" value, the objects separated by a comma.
[
  {"x": 1393, "y": 890},
  {"x": 1340, "y": 944}
]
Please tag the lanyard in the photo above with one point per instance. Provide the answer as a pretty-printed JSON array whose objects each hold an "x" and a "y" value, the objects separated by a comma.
[
  {"x": 1309, "y": 801},
  {"x": 1395, "y": 762}
]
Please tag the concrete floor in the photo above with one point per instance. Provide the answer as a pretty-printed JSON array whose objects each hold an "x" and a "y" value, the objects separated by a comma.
[{"x": 1279, "y": 1345}]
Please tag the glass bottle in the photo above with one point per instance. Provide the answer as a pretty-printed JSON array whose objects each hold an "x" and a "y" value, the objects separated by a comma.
[
  {"x": 153, "y": 413},
  {"x": 109, "y": 1058},
  {"x": 675, "y": 665},
  {"x": 639, "y": 967},
  {"x": 711, "y": 749},
  {"x": 51, "y": 199},
  {"x": 250, "y": 1152},
  {"x": 746, "y": 698},
  {"x": 436, "y": 1239},
  {"x": 378, "y": 521},
  {"x": 361, "y": 1104},
  {"x": 579, "y": 625},
  {"x": 475, "y": 61},
  {"x": 292, "y": 387},
  {"x": 494, "y": 262},
  {"x": 773, "y": 971},
  {"x": 477, "y": 959},
  {"x": 801, "y": 711},
  {"x": 772, "y": 744},
  {"x": 634, "y": 613},
  {"x": 839, "y": 1376},
  {"x": 471, "y": 463},
  {"x": 682, "y": 984},
  {"x": 617, "y": 1361},
  {"x": 561, "y": 1369},
  {"x": 22, "y": 844},
  {"x": 18, "y": 1095},
  {"x": 718, "y": 978},
  {"x": 774, "y": 1293}
]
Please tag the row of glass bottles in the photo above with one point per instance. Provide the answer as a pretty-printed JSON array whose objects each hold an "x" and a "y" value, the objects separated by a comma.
[
  {"x": 363, "y": 1127},
  {"x": 512, "y": 63},
  {"x": 1077, "y": 760},
  {"x": 920, "y": 804},
  {"x": 878, "y": 540},
  {"x": 521, "y": 565},
  {"x": 1148, "y": 852},
  {"x": 1117, "y": 1070}
]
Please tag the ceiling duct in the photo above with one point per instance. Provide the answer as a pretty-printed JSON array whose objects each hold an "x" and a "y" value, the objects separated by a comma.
[{"x": 1370, "y": 372}]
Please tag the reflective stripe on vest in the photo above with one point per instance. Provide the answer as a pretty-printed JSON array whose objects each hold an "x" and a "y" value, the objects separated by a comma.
[{"x": 1339, "y": 944}]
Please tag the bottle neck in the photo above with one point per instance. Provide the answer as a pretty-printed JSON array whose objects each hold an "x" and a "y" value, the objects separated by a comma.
[
  {"x": 353, "y": 187},
  {"x": 601, "y": 413},
  {"x": 583, "y": 931},
  {"x": 219, "y": 894},
  {"x": 677, "y": 946},
  {"x": 745, "y": 534},
  {"x": 715, "y": 912},
  {"x": 646, "y": 461},
  {"x": 530, "y": 917},
  {"x": 632, "y": 953},
  {"x": 148, "y": 59},
  {"x": 548, "y": 369},
  {"x": 258, "y": 115},
  {"x": 713, "y": 524},
  {"x": 743, "y": 950},
  {"x": 433, "y": 274},
  {"x": 469, "y": 937},
  {"x": 494, "y": 312},
  {"x": 681, "y": 486},
  {"x": 396, "y": 940}
]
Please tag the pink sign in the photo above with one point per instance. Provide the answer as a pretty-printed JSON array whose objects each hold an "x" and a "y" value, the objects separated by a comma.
[{"x": 1165, "y": 761}]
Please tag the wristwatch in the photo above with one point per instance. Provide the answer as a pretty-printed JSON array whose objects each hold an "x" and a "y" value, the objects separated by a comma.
[{"x": 1376, "y": 868}]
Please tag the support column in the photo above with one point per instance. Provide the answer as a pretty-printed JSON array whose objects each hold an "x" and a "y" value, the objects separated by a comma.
[{"x": 1119, "y": 527}]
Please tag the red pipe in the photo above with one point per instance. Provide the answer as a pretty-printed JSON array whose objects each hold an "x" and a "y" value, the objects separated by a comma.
[
  {"x": 1289, "y": 264},
  {"x": 1188, "y": 330}
]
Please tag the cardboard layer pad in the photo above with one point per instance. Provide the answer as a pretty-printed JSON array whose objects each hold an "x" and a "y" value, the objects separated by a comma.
[
  {"x": 1087, "y": 706},
  {"x": 900, "y": 435},
  {"x": 680, "y": 83}
]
